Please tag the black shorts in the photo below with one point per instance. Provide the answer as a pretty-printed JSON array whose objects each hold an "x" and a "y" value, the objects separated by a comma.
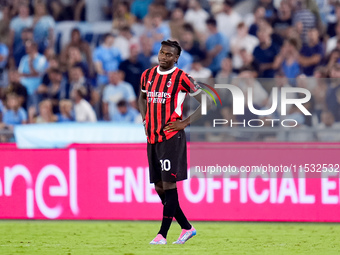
[{"x": 168, "y": 159}]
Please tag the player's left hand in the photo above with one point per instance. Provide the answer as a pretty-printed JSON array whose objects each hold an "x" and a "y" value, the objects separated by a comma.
[{"x": 175, "y": 126}]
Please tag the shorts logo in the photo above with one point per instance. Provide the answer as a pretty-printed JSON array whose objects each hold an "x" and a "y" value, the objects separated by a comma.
[{"x": 174, "y": 175}]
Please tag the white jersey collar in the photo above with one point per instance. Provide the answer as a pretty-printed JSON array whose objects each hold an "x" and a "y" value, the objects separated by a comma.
[{"x": 165, "y": 72}]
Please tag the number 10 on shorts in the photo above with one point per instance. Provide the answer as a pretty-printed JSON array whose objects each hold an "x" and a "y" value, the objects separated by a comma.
[{"x": 165, "y": 164}]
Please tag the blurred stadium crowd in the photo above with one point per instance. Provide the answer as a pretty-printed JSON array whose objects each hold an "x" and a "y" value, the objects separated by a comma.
[{"x": 267, "y": 42}]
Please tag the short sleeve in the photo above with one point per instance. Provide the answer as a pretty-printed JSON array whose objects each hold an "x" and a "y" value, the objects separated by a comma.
[
  {"x": 96, "y": 57},
  {"x": 142, "y": 83},
  {"x": 106, "y": 94},
  {"x": 189, "y": 85},
  {"x": 41, "y": 64},
  {"x": 12, "y": 24},
  {"x": 4, "y": 51}
]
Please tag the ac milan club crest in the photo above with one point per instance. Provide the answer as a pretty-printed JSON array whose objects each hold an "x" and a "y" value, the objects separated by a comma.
[{"x": 169, "y": 84}]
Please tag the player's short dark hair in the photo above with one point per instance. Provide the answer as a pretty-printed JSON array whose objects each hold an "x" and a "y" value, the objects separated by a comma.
[
  {"x": 211, "y": 21},
  {"x": 75, "y": 30},
  {"x": 27, "y": 30},
  {"x": 229, "y": 3},
  {"x": 56, "y": 70},
  {"x": 122, "y": 103},
  {"x": 173, "y": 44},
  {"x": 187, "y": 27}
]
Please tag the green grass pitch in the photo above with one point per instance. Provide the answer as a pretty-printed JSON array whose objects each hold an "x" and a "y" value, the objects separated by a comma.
[{"x": 129, "y": 237}]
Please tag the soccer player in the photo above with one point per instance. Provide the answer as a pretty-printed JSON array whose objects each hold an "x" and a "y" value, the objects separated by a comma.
[{"x": 163, "y": 90}]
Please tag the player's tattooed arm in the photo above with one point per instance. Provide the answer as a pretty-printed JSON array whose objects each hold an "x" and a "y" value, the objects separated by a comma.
[
  {"x": 181, "y": 124},
  {"x": 142, "y": 106}
]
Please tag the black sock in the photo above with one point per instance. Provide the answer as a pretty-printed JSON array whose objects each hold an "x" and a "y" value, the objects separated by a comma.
[
  {"x": 179, "y": 215},
  {"x": 162, "y": 197},
  {"x": 181, "y": 219},
  {"x": 169, "y": 210}
]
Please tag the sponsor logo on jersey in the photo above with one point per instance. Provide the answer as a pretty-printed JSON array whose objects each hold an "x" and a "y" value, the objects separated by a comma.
[{"x": 158, "y": 97}]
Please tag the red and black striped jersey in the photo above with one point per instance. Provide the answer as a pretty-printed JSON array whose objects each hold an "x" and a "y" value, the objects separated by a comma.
[{"x": 165, "y": 93}]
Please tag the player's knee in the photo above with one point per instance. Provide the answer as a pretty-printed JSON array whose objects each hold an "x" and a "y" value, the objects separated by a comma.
[
  {"x": 169, "y": 185},
  {"x": 159, "y": 188}
]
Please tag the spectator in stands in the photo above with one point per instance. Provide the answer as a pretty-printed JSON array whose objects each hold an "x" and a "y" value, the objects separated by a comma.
[
  {"x": 198, "y": 71},
  {"x": 283, "y": 21},
  {"x": 61, "y": 10},
  {"x": 106, "y": 59},
  {"x": 311, "y": 53},
  {"x": 217, "y": 47},
  {"x": 133, "y": 69},
  {"x": 176, "y": 23},
  {"x": 259, "y": 14},
  {"x": 305, "y": 17},
  {"x": 304, "y": 82},
  {"x": 333, "y": 57},
  {"x": 281, "y": 81},
  {"x": 122, "y": 16},
  {"x": 287, "y": 60},
  {"x": 145, "y": 55},
  {"x": 265, "y": 53},
  {"x": 139, "y": 8},
  {"x": 15, "y": 87},
  {"x": 4, "y": 52},
  {"x": 31, "y": 68},
  {"x": 333, "y": 104},
  {"x": 319, "y": 90},
  {"x": 74, "y": 58},
  {"x": 328, "y": 129},
  {"x": 185, "y": 61},
  {"x": 52, "y": 63},
  {"x": 126, "y": 113},
  {"x": 20, "y": 49},
  {"x": 158, "y": 31},
  {"x": 332, "y": 42},
  {"x": 4, "y": 25},
  {"x": 13, "y": 114},
  {"x": 197, "y": 17},
  {"x": 45, "y": 113},
  {"x": 53, "y": 89},
  {"x": 268, "y": 5},
  {"x": 230, "y": 17},
  {"x": 242, "y": 41},
  {"x": 23, "y": 20},
  {"x": 246, "y": 79},
  {"x": 65, "y": 111},
  {"x": 247, "y": 58},
  {"x": 189, "y": 42},
  {"x": 83, "y": 110},
  {"x": 43, "y": 26},
  {"x": 83, "y": 46},
  {"x": 77, "y": 80},
  {"x": 124, "y": 41},
  {"x": 226, "y": 74},
  {"x": 115, "y": 91},
  {"x": 331, "y": 27}
]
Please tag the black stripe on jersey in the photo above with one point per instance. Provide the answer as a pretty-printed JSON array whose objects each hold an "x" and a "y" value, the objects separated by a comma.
[
  {"x": 186, "y": 85},
  {"x": 163, "y": 111},
  {"x": 146, "y": 77},
  {"x": 176, "y": 85},
  {"x": 159, "y": 82},
  {"x": 150, "y": 105}
]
